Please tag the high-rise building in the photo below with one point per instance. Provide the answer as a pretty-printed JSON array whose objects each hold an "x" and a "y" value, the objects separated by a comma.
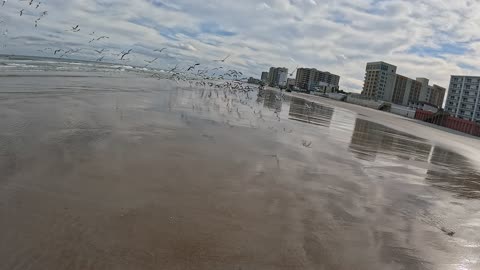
[
  {"x": 433, "y": 95},
  {"x": 310, "y": 78},
  {"x": 436, "y": 95},
  {"x": 379, "y": 81},
  {"x": 264, "y": 77},
  {"x": 463, "y": 99},
  {"x": 383, "y": 83},
  {"x": 406, "y": 90},
  {"x": 277, "y": 76}
]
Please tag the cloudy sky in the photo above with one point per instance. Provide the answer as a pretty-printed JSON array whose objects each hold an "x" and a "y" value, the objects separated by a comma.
[{"x": 424, "y": 38}]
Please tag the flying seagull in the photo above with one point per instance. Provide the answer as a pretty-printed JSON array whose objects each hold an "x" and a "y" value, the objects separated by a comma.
[
  {"x": 159, "y": 50},
  {"x": 31, "y": 2},
  {"x": 125, "y": 54},
  {"x": 193, "y": 67},
  {"x": 224, "y": 59},
  {"x": 21, "y": 12},
  {"x": 173, "y": 69},
  {"x": 102, "y": 37},
  {"x": 75, "y": 28},
  {"x": 100, "y": 51},
  {"x": 3, "y": 3},
  {"x": 100, "y": 59},
  {"x": 151, "y": 61},
  {"x": 38, "y": 4}
]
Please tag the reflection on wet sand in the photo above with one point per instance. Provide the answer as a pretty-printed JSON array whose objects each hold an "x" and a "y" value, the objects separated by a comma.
[
  {"x": 370, "y": 139},
  {"x": 449, "y": 171},
  {"x": 172, "y": 177},
  {"x": 310, "y": 112},
  {"x": 454, "y": 173},
  {"x": 271, "y": 100}
]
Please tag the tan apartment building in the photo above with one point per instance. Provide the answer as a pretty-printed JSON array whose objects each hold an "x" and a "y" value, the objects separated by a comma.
[
  {"x": 406, "y": 90},
  {"x": 310, "y": 78},
  {"x": 379, "y": 81},
  {"x": 383, "y": 83}
]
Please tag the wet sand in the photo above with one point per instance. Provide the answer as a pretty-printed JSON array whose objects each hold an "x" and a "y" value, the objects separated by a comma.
[{"x": 136, "y": 173}]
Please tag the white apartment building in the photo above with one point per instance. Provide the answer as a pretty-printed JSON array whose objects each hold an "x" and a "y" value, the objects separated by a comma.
[{"x": 463, "y": 97}]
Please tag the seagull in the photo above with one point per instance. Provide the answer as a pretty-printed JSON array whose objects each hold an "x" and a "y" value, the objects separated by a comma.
[
  {"x": 151, "y": 61},
  {"x": 173, "y": 69},
  {"x": 102, "y": 37},
  {"x": 45, "y": 13},
  {"x": 306, "y": 144},
  {"x": 193, "y": 67},
  {"x": 31, "y": 2},
  {"x": 21, "y": 12},
  {"x": 100, "y": 51},
  {"x": 125, "y": 53},
  {"x": 3, "y": 3},
  {"x": 57, "y": 51},
  {"x": 75, "y": 28},
  {"x": 38, "y": 4},
  {"x": 159, "y": 50},
  {"x": 93, "y": 33},
  {"x": 223, "y": 60},
  {"x": 92, "y": 40},
  {"x": 100, "y": 59}
]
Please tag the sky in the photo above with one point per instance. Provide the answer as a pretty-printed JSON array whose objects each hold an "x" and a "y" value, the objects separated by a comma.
[{"x": 423, "y": 38}]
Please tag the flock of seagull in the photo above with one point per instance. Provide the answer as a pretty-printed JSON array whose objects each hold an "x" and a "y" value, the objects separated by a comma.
[
  {"x": 121, "y": 56},
  {"x": 217, "y": 77}
]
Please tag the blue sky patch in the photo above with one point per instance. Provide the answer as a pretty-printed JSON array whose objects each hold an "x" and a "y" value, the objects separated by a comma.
[
  {"x": 215, "y": 29},
  {"x": 446, "y": 48}
]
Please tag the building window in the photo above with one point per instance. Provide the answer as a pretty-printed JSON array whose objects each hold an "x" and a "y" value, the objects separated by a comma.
[{"x": 469, "y": 80}]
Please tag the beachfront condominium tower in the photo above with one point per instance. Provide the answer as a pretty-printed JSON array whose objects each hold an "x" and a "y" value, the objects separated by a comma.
[
  {"x": 406, "y": 90},
  {"x": 309, "y": 78},
  {"x": 463, "y": 99},
  {"x": 277, "y": 76},
  {"x": 264, "y": 77},
  {"x": 379, "y": 81}
]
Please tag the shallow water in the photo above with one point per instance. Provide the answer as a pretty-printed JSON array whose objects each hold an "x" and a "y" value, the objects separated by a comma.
[{"x": 99, "y": 171}]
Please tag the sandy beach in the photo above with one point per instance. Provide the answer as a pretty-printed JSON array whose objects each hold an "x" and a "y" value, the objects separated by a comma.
[{"x": 126, "y": 172}]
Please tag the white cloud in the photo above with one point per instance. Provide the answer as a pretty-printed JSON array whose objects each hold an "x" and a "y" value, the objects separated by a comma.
[
  {"x": 263, "y": 6},
  {"x": 188, "y": 47},
  {"x": 425, "y": 38}
]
